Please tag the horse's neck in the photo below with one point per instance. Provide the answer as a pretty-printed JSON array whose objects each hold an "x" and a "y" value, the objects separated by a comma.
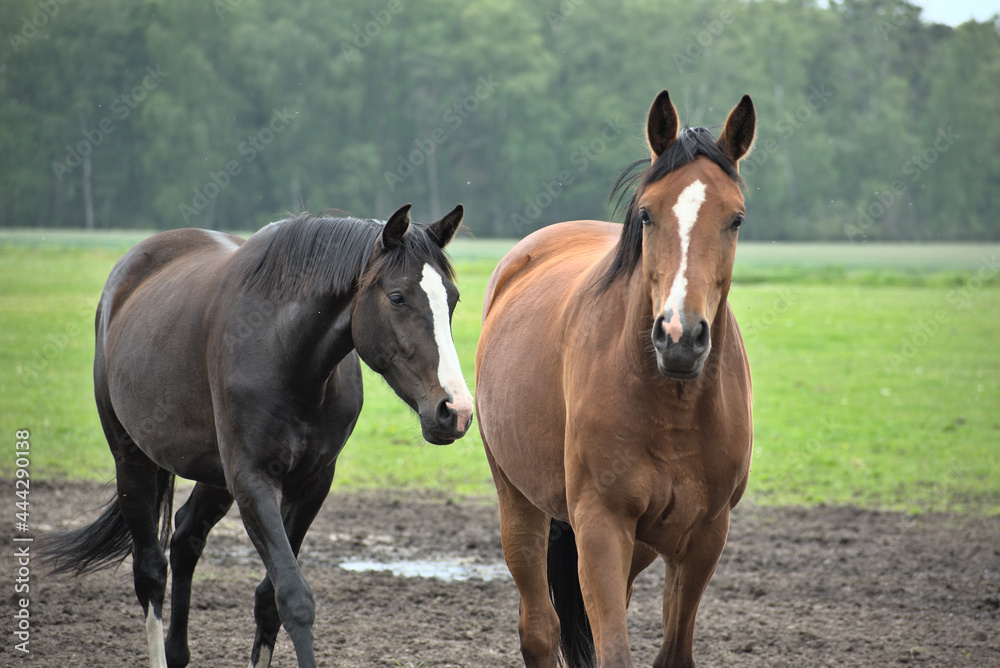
[{"x": 316, "y": 335}]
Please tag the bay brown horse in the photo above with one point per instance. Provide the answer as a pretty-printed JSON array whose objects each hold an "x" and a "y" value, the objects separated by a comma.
[
  {"x": 236, "y": 364},
  {"x": 613, "y": 396}
]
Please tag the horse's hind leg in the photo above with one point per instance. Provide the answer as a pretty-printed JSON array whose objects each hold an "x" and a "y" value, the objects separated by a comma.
[
  {"x": 524, "y": 533},
  {"x": 685, "y": 584},
  {"x": 298, "y": 511},
  {"x": 144, "y": 491},
  {"x": 202, "y": 511},
  {"x": 140, "y": 484}
]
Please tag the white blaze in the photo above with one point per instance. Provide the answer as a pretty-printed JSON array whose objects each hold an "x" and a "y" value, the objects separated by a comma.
[
  {"x": 449, "y": 370},
  {"x": 154, "y": 635},
  {"x": 686, "y": 211}
]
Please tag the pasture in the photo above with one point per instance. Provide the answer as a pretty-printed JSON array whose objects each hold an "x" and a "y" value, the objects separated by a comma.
[
  {"x": 874, "y": 372},
  {"x": 875, "y": 408}
]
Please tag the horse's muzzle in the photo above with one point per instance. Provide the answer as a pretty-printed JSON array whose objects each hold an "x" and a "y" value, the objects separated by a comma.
[
  {"x": 682, "y": 345},
  {"x": 449, "y": 422}
]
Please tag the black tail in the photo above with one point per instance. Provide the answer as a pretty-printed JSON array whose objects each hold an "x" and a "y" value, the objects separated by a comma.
[
  {"x": 106, "y": 541},
  {"x": 575, "y": 637}
]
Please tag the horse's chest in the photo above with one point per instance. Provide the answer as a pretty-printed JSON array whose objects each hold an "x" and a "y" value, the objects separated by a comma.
[
  {"x": 705, "y": 464},
  {"x": 690, "y": 477}
]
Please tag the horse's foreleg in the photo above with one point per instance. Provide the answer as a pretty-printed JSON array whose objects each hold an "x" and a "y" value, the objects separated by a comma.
[
  {"x": 685, "y": 584},
  {"x": 202, "y": 511},
  {"x": 299, "y": 509},
  {"x": 642, "y": 557},
  {"x": 257, "y": 497},
  {"x": 605, "y": 543}
]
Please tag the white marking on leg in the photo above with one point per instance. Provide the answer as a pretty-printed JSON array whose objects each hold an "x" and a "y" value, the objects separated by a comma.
[
  {"x": 264, "y": 660},
  {"x": 449, "y": 369},
  {"x": 686, "y": 211},
  {"x": 154, "y": 635}
]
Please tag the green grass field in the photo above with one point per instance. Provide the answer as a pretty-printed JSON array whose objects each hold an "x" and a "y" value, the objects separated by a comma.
[{"x": 875, "y": 372}]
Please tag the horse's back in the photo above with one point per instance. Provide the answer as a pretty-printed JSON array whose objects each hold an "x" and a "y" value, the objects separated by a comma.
[
  {"x": 160, "y": 288},
  {"x": 538, "y": 277},
  {"x": 562, "y": 249},
  {"x": 156, "y": 253}
]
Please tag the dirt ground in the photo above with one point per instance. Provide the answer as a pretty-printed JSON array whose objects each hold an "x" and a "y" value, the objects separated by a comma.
[{"x": 796, "y": 587}]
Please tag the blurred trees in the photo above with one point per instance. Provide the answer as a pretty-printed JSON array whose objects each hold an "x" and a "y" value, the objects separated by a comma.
[{"x": 226, "y": 114}]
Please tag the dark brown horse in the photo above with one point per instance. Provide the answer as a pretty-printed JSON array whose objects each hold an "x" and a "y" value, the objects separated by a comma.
[
  {"x": 613, "y": 396},
  {"x": 236, "y": 365}
]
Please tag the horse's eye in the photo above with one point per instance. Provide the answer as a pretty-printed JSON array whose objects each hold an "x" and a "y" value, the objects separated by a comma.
[
  {"x": 737, "y": 221},
  {"x": 644, "y": 217},
  {"x": 397, "y": 298}
]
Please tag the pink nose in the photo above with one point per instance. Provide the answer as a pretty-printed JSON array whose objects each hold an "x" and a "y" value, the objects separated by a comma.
[
  {"x": 463, "y": 407},
  {"x": 673, "y": 327}
]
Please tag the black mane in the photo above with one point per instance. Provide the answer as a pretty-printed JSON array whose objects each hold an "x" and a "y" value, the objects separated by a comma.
[
  {"x": 691, "y": 143},
  {"x": 308, "y": 256}
]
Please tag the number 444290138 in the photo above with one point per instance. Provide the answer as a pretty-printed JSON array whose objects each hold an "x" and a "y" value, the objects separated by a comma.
[{"x": 22, "y": 475}]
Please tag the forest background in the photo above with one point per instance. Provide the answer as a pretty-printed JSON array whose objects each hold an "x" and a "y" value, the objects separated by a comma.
[{"x": 146, "y": 114}]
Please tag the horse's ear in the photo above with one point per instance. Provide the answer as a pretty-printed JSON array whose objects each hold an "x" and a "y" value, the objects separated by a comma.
[
  {"x": 445, "y": 229},
  {"x": 737, "y": 136},
  {"x": 661, "y": 126},
  {"x": 395, "y": 228}
]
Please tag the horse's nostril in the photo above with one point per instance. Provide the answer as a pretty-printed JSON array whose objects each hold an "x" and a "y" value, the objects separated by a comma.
[
  {"x": 659, "y": 333},
  {"x": 446, "y": 415},
  {"x": 701, "y": 338}
]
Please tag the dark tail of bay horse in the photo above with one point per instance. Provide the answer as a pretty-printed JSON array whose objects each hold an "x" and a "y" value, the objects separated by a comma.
[
  {"x": 106, "y": 542},
  {"x": 575, "y": 637}
]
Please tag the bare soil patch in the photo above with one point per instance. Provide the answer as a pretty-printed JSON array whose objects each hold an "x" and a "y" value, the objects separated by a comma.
[{"x": 796, "y": 587}]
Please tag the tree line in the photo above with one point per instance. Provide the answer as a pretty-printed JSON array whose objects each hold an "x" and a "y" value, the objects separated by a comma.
[{"x": 872, "y": 123}]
